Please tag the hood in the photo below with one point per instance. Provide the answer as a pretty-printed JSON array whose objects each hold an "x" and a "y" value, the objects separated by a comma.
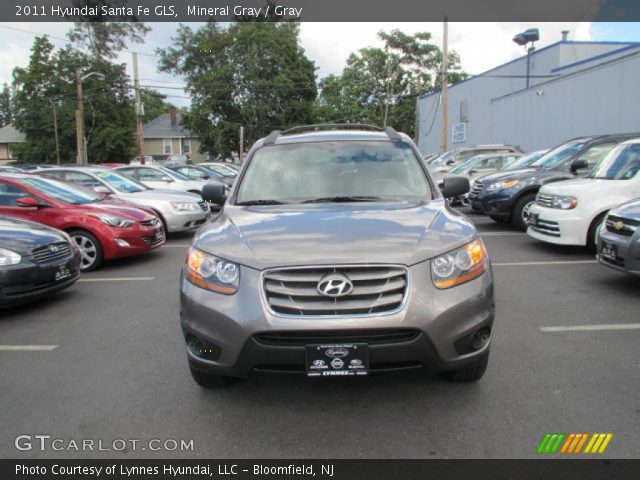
[
  {"x": 115, "y": 206},
  {"x": 23, "y": 236},
  {"x": 630, "y": 210},
  {"x": 157, "y": 195},
  {"x": 496, "y": 177},
  {"x": 583, "y": 187},
  {"x": 278, "y": 236}
]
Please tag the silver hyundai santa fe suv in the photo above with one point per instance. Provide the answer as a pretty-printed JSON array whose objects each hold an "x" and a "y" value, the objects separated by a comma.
[{"x": 336, "y": 254}]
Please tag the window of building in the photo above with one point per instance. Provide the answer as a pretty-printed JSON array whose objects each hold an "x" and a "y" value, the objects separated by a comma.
[
  {"x": 186, "y": 145},
  {"x": 166, "y": 145}
]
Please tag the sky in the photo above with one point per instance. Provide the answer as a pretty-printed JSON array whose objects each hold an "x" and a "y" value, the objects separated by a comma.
[{"x": 481, "y": 46}]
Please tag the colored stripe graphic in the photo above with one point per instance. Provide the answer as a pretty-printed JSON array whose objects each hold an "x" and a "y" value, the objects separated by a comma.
[{"x": 573, "y": 443}]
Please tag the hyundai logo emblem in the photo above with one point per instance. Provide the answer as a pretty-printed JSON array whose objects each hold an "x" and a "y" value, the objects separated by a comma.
[
  {"x": 53, "y": 248},
  {"x": 335, "y": 285}
]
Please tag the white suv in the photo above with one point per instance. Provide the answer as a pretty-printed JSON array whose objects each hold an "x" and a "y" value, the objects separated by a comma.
[{"x": 570, "y": 212}]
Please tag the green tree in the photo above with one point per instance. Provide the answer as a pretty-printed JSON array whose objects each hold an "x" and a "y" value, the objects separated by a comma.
[
  {"x": 251, "y": 74},
  {"x": 50, "y": 79},
  {"x": 155, "y": 104},
  {"x": 102, "y": 38},
  {"x": 6, "y": 106},
  {"x": 380, "y": 85}
]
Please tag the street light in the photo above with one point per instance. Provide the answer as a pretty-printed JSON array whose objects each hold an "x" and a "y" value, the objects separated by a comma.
[
  {"x": 80, "y": 114},
  {"x": 531, "y": 35}
]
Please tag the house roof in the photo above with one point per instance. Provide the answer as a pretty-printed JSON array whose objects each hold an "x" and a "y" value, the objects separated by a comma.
[
  {"x": 160, "y": 127},
  {"x": 8, "y": 134}
]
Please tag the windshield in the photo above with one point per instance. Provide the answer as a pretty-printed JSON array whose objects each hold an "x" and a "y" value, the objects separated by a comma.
[
  {"x": 524, "y": 162},
  {"x": 120, "y": 183},
  {"x": 62, "y": 191},
  {"x": 463, "y": 167},
  {"x": 559, "y": 155},
  {"x": 622, "y": 163},
  {"x": 173, "y": 174},
  {"x": 333, "y": 171}
]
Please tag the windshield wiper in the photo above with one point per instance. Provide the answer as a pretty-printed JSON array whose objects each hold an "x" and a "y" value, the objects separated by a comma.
[
  {"x": 343, "y": 199},
  {"x": 261, "y": 202}
]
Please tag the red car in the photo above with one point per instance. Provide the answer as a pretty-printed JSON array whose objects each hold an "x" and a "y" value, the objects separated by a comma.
[{"x": 102, "y": 229}]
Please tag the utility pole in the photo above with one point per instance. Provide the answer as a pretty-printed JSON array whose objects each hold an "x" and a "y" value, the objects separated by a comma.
[
  {"x": 241, "y": 149},
  {"x": 79, "y": 119},
  {"x": 55, "y": 134},
  {"x": 444, "y": 97},
  {"x": 139, "y": 110}
]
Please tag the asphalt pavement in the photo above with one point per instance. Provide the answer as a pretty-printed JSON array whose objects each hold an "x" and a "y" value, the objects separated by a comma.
[{"x": 104, "y": 360}]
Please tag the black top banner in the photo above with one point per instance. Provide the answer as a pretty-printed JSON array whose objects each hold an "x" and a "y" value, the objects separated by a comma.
[
  {"x": 318, "y": 10},
  {"x": 319, "y": 469}
]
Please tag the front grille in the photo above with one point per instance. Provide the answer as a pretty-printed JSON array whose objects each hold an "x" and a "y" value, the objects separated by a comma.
[
  {"x": 52, "y": 252},
  {"x": 477, "y": 188},
  {"x": 153, "y": 222},
  {"x": 203, "y": 206},
  {"x": 618, "y": 262},
  {"x": 544, "y": 200},
  {"x": 372, "y": 337},
  {"x": 546, "y": 227},
  {"x": 376, "y": 290},
  {"x": 625, "y": 227}
]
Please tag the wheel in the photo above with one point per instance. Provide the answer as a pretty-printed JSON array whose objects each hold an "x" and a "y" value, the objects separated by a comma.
[
  {"x": 521, "y": 211},
  {"x": 207, "y": 380},
  {"x": 593, "y": 232},
  {"x": 90, "y": 249},
  {"x": 471, "y": 373}
]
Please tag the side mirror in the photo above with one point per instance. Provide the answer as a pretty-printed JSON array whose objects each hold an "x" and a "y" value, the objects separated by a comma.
[
  {"x": 214, "y": 193},
  {"x": 578, "y": 165},
  {"x": 167, "y": 179},
  {"x": 450, "y": 162},
  {"x": 472, "y": 171},
  {"x": 453, "y": 187},
  {"x": 102, "y": 189},
  {"x": 29, "y": 202}
]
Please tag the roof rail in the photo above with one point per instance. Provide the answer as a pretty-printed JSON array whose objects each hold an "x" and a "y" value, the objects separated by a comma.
[
  {"x": 273, "y": 136},
  {"x": 391, "y": 133}
]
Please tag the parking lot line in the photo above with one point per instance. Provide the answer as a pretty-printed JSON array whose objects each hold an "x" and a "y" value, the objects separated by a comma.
[
  {"x": 176, "y": 245},
  {"x": 592, "y": 328},
  {"x": 27, "y": 348},
  {"x": 499, "y": 234},
  {"x": 118, "y": 279},
  {"x": 551, "y": 262}
]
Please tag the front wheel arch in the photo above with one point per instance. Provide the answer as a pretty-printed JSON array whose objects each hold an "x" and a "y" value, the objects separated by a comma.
[{"x": 592, "y": 231}]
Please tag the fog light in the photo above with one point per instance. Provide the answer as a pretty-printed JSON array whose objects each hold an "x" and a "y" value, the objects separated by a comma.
[
  {"x": 481, "y": 338},
  {"x": 122, "y": 243},
  {"x": 201, "y": 348}
]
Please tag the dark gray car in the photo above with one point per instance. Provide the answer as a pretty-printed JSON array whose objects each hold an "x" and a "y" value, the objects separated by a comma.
[{"x": 336, "y": 254}]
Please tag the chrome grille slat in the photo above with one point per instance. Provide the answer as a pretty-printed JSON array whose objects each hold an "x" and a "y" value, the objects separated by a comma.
[
  {"x": 629, "y": 226},
  {"x": 45, "y": 255},
  {"x": 544, "y": 200},
  {"x": 377, "y": 289}
]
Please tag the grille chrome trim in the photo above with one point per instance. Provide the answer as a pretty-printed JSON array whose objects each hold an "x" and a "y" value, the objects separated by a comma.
[
  {"x": 45, "y": 255},
  {"x": 300, "y": 338},
  {"x": 629, "y": 226},
  {"x": 544, "y": 200},
  {"x": 282, "y": 300}
]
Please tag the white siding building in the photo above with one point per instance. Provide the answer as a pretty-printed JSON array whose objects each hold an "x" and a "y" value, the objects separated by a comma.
[{"x": 575, "y": 88}]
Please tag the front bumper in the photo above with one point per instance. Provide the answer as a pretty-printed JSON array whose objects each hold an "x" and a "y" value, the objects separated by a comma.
[
  {"x": 561, "y": 227},
  {"x": 498, "y": 204},
  {"x": 628, "y": 251},
  {"x": 441, "y": 319},
  {"x": 137, "y": 240},
  {"x": 184, "y": 222},
  {"x": 28, "y": 281}
]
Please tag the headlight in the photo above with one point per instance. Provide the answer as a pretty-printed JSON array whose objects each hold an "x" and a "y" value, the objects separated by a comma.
[
  {"x": 562, "y": 202},
  {"x": 7, "y": 257},
  {"x": 114, "y": 221},
  {"x": 212, "y": 273},
  {"x": 503, "y": 185},
  {"x": 185, "y": 206},
  {"x": 459, "y": 266}
]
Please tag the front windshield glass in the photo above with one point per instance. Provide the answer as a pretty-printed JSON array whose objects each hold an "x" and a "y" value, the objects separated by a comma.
[
  {"x": 559, "y": 155},
  {"x": 622, "y": 163},
  {"x": 524, "y": 162},
  {"x": 334, "y": 171},
  {"x": 120, "y": 183},
  {"x": 173, "y": 174},
  {"x": 62, "y": 191}
]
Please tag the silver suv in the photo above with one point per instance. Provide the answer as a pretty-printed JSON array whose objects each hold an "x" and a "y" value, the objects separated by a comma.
[{"x": 335, "y": 254}]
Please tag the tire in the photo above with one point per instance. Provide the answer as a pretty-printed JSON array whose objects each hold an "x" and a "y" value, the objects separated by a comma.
[
  {"x": 520, "y": 212},
  {"x": 593, "y": 232},
  {"x": 207, "y": 380},
  {"x": 91, "y": 252},
  {"x": 469, "y": 374}
]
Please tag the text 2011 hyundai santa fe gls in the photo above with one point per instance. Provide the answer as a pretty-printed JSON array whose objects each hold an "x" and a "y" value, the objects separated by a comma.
[{"x": 335, "y": 255}]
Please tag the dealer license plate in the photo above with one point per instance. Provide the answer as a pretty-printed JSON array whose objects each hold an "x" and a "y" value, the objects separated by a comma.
[
  {"x": 335, "y": 360},
  {"x": 62, "y": 272},
  {"x": 609, "y": 251}
]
